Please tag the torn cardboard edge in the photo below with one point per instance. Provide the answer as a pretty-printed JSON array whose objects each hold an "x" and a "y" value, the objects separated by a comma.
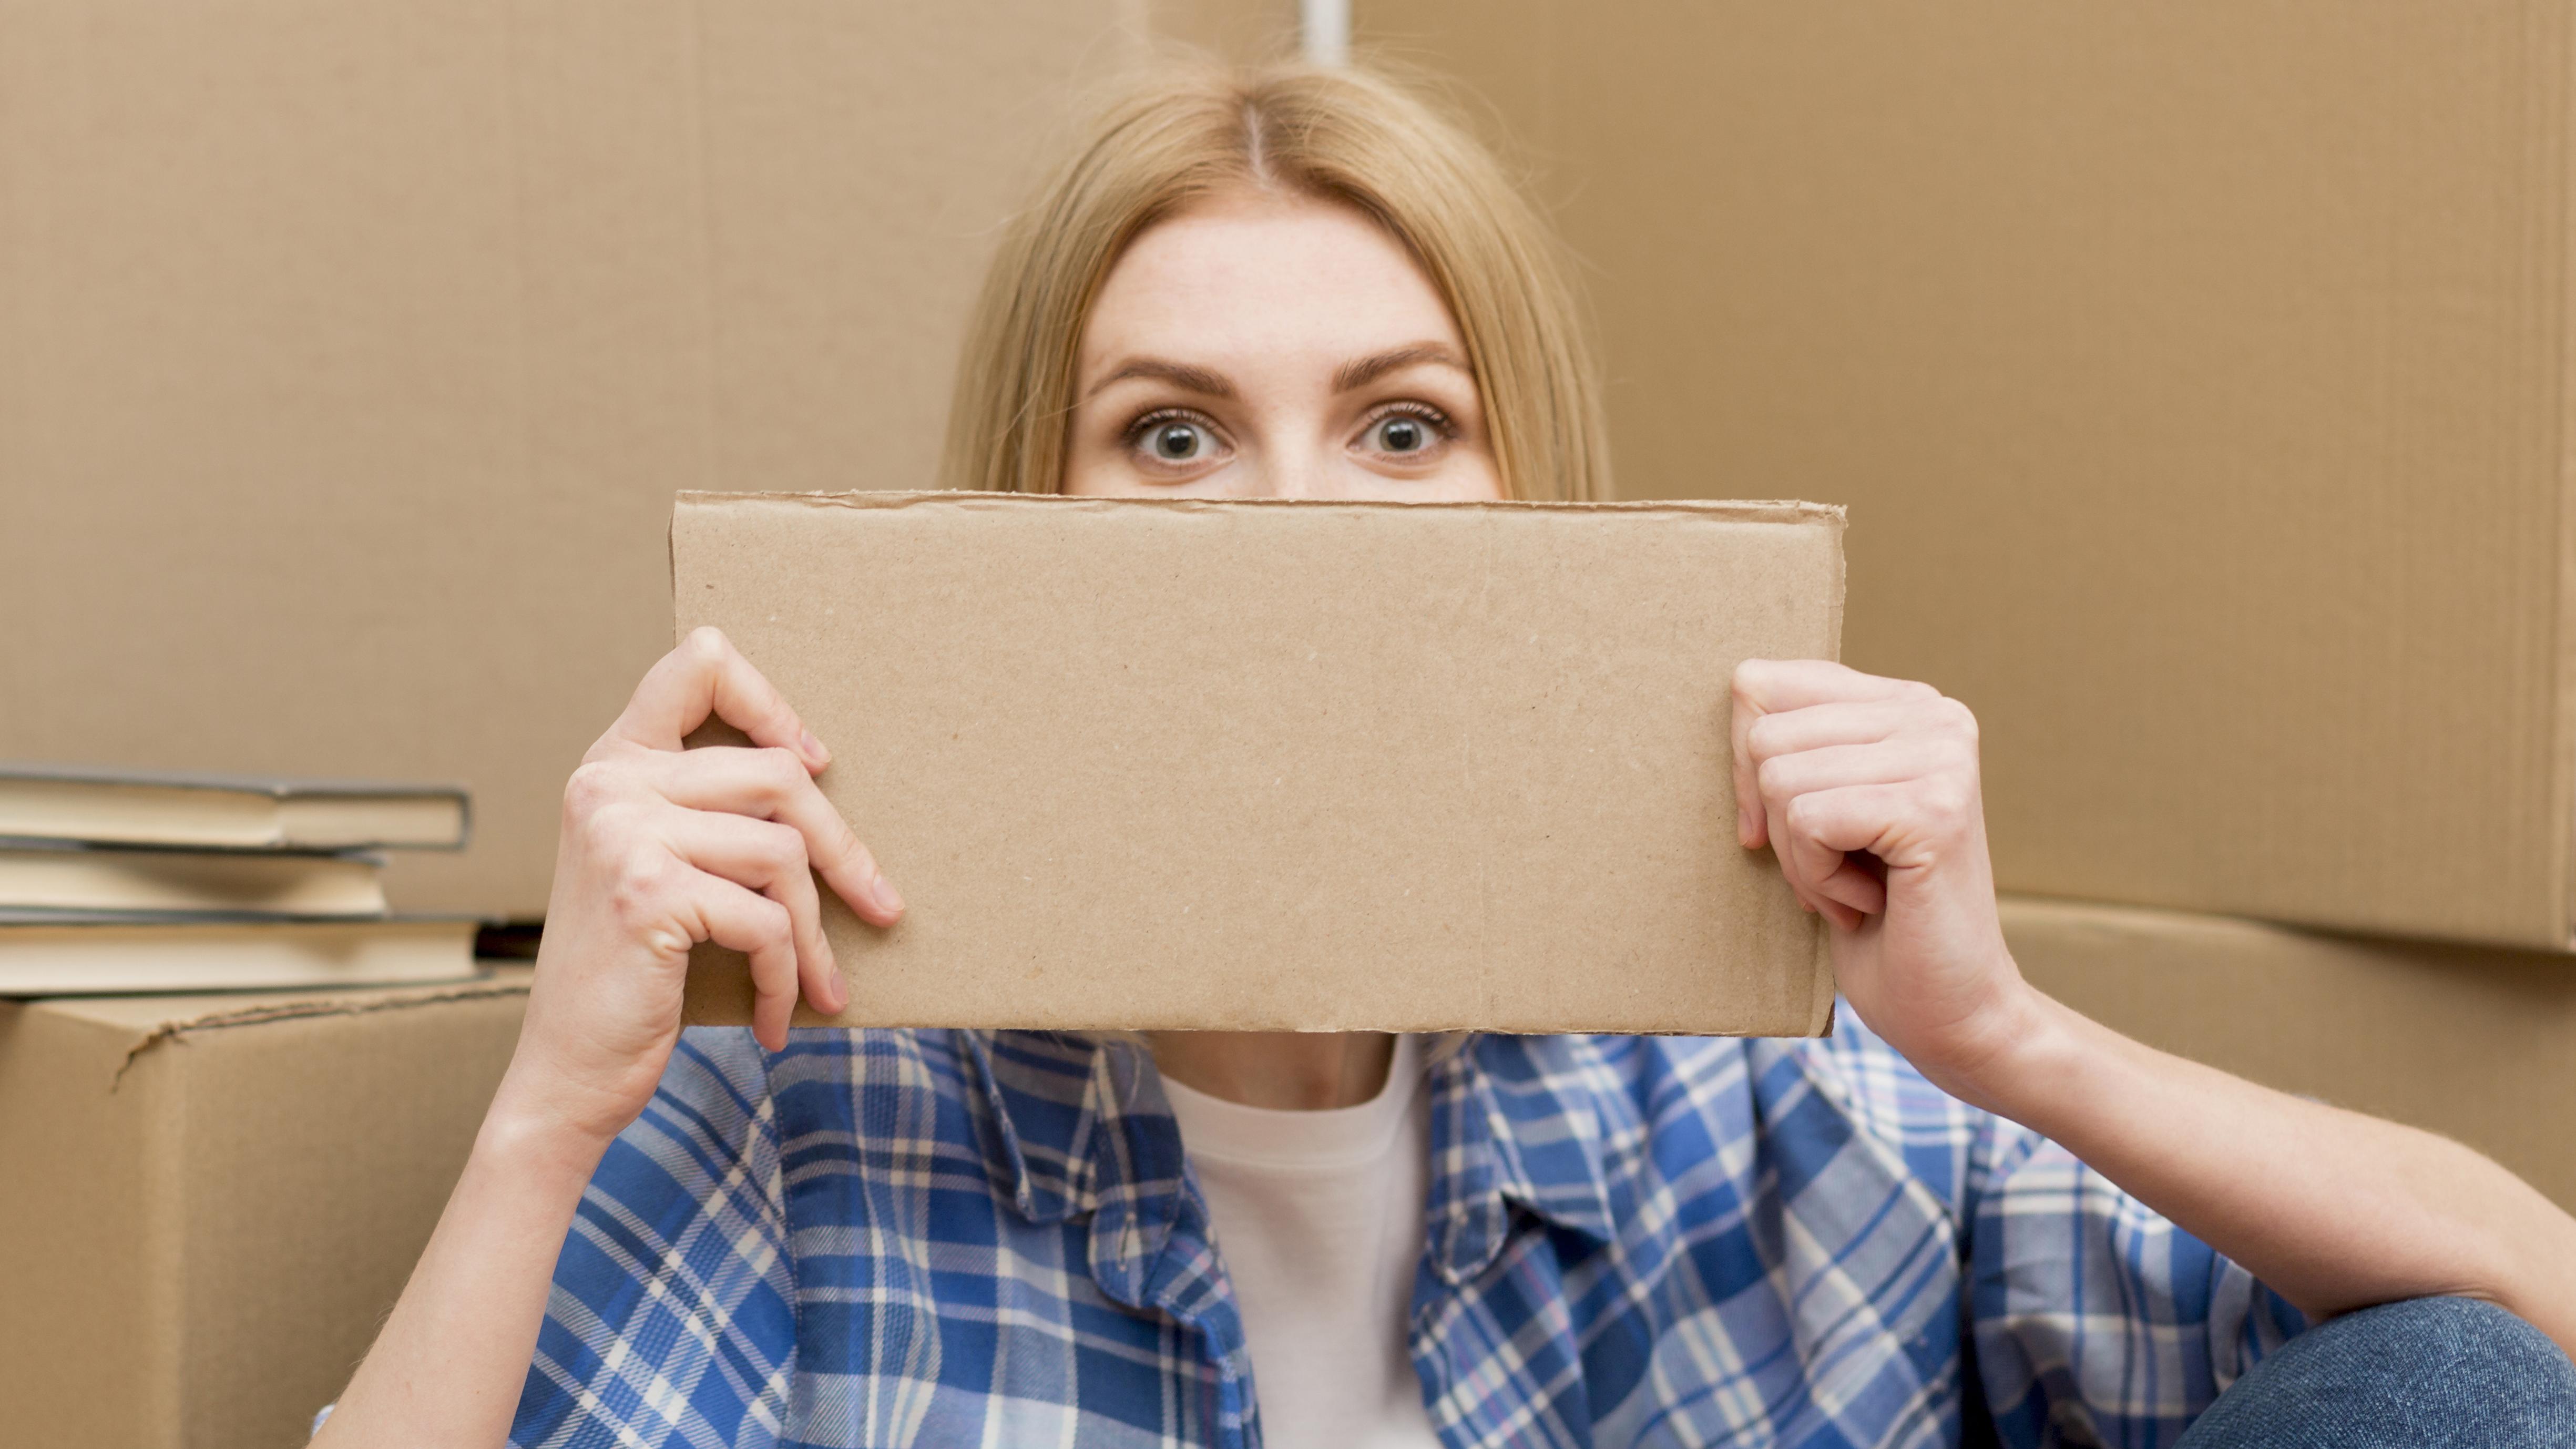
[
  {"x": 361, "y": 1001},
  {"x": 1746, "y": 510},
  {"x": 1177, "y": 763}
]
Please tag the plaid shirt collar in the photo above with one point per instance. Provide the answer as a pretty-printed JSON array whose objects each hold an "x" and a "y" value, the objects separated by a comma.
[{"x": 1075, "y": 1127}]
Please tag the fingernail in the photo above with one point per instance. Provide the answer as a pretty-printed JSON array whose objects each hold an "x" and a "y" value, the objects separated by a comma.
[
  {"x": 836, "y": 994},
  {"x": 814, "y": 750},
  {"x": 885, "y": 894}
]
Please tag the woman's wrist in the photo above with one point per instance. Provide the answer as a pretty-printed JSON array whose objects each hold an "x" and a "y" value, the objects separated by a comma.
[
  {"x": 2059, "y": 1073},
  {"x": 449, "y": 1364},
  {"x": 527, "y": 1129},
  {"x": 2020, "y": 1059}
]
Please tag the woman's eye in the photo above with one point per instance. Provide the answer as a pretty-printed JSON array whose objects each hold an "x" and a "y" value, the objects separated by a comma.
[
  {"x": 1176, "y": 440},
  {"x": 1402, "y": 435}
]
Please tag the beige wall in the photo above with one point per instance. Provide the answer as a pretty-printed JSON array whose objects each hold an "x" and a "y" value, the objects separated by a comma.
[{"x": 351, "y": 350}]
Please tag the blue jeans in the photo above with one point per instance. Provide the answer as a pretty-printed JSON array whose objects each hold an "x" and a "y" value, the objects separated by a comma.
[{"x": 2434, "y": 1373}]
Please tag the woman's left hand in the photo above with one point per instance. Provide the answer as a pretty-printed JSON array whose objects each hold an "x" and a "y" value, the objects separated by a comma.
[{"x": 1867, "y": 790}]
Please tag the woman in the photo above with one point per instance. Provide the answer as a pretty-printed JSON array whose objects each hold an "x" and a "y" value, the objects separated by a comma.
[{"x": 1971, "y": 1213}]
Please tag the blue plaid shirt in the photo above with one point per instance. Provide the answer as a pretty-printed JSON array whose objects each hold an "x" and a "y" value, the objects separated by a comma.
[{"x": 932, "y": 1237}]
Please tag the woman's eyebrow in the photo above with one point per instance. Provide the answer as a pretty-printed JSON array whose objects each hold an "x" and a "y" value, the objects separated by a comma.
[
  {"x": 1361, "y": 371},
  {"x": 1179, "y": 374}
]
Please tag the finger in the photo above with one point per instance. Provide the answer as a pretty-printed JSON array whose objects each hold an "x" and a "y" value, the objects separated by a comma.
[
  {"x": 1822, "y": 874},
  {"x": 706, "y": 675},
  {"x": 773, "y": 785},
  {"x": 1820, "y": 725},
  {"x": 1775, "y": 686},
  {"x": 1812, "y": 869},
  {"x": 1851, "y": 893},
  {"x": 1783, "y": 778},
  {"x": 1751, "y": 828},
  {"x": 769, "y": 858},
  {"x": 742, "y": 920},
  {"x": 1830, "y": 824},
  {"x": 1765, "y": 687}
]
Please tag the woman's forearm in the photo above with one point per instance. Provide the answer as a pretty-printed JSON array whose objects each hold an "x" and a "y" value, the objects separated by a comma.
[
  {"x": 448, "y": 1367},
  {"x": 2334, "y": 1209}
]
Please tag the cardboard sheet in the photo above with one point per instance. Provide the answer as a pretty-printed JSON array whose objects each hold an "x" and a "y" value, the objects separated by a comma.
[{"x": 1168, "y": 764}]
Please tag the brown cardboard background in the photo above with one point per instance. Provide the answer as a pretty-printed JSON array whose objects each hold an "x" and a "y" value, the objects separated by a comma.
[
  {"x": 208, "y": 1203},
  {"x": 1239, "y": 30},
  {"x": 1284, "y": 765},
  {"x": 2479, "y": 1045},
  {"x": 2196, "y": 375},
  {"x": 351, "y": 350}
]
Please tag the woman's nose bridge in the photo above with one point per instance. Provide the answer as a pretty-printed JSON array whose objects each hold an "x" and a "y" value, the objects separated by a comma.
[
  {"x": 1287, "y": 448},
  {"x": 1291, "y": 472}
]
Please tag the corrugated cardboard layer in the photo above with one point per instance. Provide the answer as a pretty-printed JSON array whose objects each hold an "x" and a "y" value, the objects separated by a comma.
[
  {"x": 2197, "y": 374},
  {"x": 2475, "y": 1044},
  {"x": 208, "y": 1203},
  {"x": 350, "y": 352},
  {"x": 1167, "y": 764}
]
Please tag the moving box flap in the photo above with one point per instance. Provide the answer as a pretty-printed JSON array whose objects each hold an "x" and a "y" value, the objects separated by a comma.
[{"x": 1284, "y": 765}]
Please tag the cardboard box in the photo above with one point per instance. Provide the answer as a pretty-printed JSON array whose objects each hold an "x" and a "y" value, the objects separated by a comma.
[
  {"x": 2479, "y": 1045},
  {"x": 351, "y": 351},
  {"x": 1285, "y": 765},
  {"x": 2198, "y": 375},
  {"x": 209, "y": 1203}
]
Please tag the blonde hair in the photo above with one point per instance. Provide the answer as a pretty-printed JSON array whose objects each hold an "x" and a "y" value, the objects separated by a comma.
[{"x": 1341, "y": 136}]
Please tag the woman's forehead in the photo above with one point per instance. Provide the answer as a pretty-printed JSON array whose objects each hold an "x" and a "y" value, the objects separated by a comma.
[{"x": 1264, "y": 278}]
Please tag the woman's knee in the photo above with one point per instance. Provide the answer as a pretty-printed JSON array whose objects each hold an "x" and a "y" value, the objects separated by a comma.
[{"x": 2427, "y": 1373}]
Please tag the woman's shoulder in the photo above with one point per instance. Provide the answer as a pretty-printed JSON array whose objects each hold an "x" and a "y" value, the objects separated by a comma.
[
  {"x": 723, "y": 1067},
  {"x": 1802, "y": 1097},
  {"x": 1854, "y": 1067},
  {"x": 726, "y": 1096}
]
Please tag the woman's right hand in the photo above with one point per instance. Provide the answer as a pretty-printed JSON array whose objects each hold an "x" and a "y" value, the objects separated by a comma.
[{"x": 663, "y": 847}]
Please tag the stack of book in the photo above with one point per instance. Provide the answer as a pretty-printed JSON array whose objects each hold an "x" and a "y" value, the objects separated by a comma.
[{"x": 136, "y": 881}]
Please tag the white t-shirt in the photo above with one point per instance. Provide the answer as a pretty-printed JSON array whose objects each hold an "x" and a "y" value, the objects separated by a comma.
[{"x": 1318, "y": 1216}]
